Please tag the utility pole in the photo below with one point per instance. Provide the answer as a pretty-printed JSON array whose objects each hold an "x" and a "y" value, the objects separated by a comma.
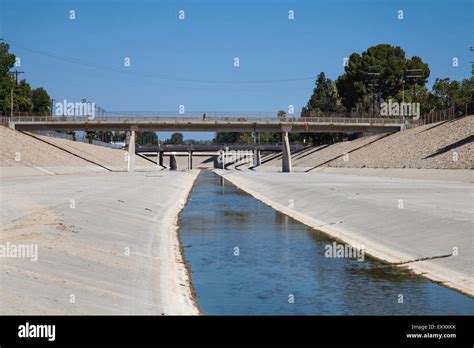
[
  {"x": 414, "y": 74},
  {"x": 374, "y": 76},
  {"x": 373, "y": 85},
  {"x": 16, "y": 73}
]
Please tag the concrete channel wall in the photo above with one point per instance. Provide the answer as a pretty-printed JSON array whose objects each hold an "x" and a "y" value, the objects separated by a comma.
[{"x": 423, "y": 225}]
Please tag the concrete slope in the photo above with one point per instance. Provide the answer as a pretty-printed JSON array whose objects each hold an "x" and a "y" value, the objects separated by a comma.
[
  {"x": 107, "y": 244},
  {"x": 435, "y": 219}
]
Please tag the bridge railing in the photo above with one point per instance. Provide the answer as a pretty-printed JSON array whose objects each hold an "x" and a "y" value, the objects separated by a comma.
[
  {"x": 214, "y": 147},
  {"x": 244, "y": 120}
]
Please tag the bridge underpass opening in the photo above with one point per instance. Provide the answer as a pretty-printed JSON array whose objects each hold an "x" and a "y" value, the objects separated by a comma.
[{"x": 213, "y": 124}]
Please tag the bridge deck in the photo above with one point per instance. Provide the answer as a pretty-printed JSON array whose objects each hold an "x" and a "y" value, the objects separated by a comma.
[{"x": 213, "y": 124}]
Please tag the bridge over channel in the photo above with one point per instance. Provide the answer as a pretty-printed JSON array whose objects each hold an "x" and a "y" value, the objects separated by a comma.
[
  {"x": 220, "y": 152},
  {"x": 213, "y": 124}
]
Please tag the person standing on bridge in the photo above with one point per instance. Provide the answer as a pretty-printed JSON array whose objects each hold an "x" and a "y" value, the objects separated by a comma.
[{"x": 204, "y": 116}]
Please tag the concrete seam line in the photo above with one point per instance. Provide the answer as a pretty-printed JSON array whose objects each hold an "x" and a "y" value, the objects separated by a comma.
[{"x": 69, "y": 152}]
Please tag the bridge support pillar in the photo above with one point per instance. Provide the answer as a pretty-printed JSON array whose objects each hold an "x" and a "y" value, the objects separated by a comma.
[
  {"x": 159, "y": 156},
  {"x": 256, "y": 158},
  {"x": 286, "y": 153},
  {"x": 131, "y": 152},
  {"x": 173, "y": 163},
  {"x": 190, "y": 160},
  {"x": 223, "y": 154}
]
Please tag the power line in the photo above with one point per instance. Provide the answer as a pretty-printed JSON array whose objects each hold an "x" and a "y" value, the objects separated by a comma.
[{"x": 161, "y": 76}]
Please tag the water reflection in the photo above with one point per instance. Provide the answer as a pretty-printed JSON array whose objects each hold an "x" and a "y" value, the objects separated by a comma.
[{"x": 277, "y": 257}]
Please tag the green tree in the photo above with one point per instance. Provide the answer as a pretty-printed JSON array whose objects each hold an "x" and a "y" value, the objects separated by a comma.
[
  {"x": 269, "y": 138},
  {"x": 7, "y": 82},
  {"x": 325, "y": 98},
  {"x": 24, "y": 98},
  {"x": 176, "y": 139},
  {"x": 147, "y": 138},
  {"x": 6, "y": 60},
  {"x": 453, "y": 93},
  {"x": 23, "y": 94},
  {"x": 119, "y": 136},
  {"x": 91, "y": 135},
  {"x": 21, "y": 101},
  {"x": 428, "y": 101},
  {"x": 226, "y": 138},
  {"x": 384, "y": 65},
  {"x": 41, "y": 100}
]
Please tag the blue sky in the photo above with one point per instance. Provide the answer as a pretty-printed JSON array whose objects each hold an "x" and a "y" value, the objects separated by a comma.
[{"x": 278, "y": 57}]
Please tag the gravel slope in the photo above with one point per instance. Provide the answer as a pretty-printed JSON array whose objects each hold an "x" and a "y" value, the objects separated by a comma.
[
  {"x": 435, "y": 146},
  {"x": 442, "y": 145}
]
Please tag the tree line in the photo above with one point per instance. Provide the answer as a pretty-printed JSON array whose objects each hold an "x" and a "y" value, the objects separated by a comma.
[
  {"x": 20, "y": 95},
  {"x": 382, "y": 73}
]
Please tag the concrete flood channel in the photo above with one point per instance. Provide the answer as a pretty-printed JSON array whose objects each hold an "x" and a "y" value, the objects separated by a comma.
[{"x": 245, "y": 258}]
